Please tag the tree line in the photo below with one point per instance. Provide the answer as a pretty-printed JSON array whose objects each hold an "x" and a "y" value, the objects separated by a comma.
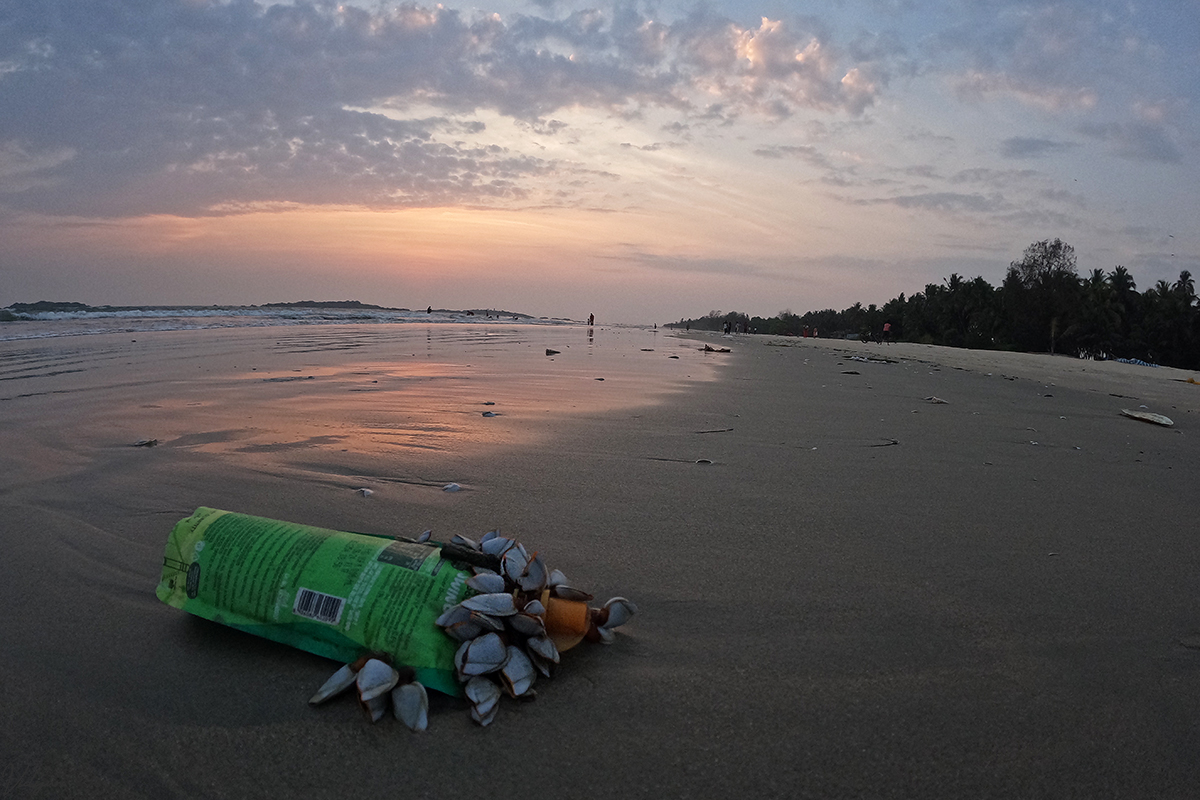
[{"x": 1043, "y": 305}]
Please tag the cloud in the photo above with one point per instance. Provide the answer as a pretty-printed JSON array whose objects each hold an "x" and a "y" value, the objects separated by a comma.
[
  {"x": 1062, "y": 56},
  {"x": 927, "y": 171},
  {"x": 942, "y": 202},
  {"x": 1025, "y": 147},
  {"x": 654, "y": 147},
  {"x": 685, "y": 264},
  {"x": 774, "y": 69},
  {"x": 806, "y": 153},
  {"x": 1015, "y": 197},
  {"x": 994, "y": 177},
  {"x": 950, "y": 201},
  {"x": 1065, "y": 197},
  {"x": 1137, "y": 141},
  {"x": 18, "y": 167},
  {"x": 186, "y": 105},
  {"x": 340, "y": 157},
  {"x": 1040, "y": 219},
  {"x": 1029, "y": 90}
]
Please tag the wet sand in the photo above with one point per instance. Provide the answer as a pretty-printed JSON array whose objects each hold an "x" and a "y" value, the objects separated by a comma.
[{"x": 859, "y": 593}]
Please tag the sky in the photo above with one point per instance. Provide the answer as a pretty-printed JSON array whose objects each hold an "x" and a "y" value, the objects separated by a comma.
[{"x": 640, "y": 161}]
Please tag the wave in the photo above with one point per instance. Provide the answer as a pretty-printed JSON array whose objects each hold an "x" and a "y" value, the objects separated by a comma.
[{"x": 24, "y": 323}]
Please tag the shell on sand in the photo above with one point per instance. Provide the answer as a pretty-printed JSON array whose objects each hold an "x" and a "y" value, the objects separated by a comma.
[{"x": 1148, "y": 416}]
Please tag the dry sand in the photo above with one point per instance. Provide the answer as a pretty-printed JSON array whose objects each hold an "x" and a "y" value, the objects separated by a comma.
[{"x": 859, "y": 594}]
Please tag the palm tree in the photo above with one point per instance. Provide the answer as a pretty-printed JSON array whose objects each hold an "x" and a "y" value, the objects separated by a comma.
[
  {"x": 1185, "y": 334},
  {"x": 1099, "y": 322},
  {"x": 1126, "y": 298},
  {"x": 1159, "y": 318},
  {"x": 1185, "y": 288},
  {"x": 1121, "y": 281}
]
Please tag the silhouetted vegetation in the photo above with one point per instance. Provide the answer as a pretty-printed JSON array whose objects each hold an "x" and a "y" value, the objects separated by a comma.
[
  {"x": 1043, "y": 305},
  {"x": 347, "y": 304}
]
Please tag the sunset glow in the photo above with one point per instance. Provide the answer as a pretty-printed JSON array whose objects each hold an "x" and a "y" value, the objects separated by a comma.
[{"x": 638, "y": 162}]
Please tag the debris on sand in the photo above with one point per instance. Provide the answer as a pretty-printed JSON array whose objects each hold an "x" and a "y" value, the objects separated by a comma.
[
  {"x": 1148, "y": 416},
  {"x": 479, "y": 619}
]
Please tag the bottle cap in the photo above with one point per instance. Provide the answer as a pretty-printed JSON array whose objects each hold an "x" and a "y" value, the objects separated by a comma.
[{"x": 567, "y": 621}]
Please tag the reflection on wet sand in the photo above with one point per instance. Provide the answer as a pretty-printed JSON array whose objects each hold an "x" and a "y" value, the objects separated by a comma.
[{"x": 370, "y": 390}]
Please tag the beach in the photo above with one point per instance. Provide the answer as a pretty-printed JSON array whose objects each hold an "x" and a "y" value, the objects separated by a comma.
[{"x": 846, "y": 588}]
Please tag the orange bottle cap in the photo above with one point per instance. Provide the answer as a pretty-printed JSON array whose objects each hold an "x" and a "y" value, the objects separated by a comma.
[{"x": 567, "y": 621}]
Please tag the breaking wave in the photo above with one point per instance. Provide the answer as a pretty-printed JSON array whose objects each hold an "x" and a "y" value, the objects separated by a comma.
[{"x": 41, "y": 324}]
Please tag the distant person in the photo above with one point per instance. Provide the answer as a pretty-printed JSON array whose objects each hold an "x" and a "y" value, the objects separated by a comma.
[
  {"x": 429, "y": 310},
  {"x": 591, "y": 320},
  {"x": 887, "y": 332}
]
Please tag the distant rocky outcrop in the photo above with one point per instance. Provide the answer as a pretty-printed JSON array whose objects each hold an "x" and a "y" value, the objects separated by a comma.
[
  {"x": 18, "y": 311},
  {"x": 44, "y": 306},
  {"x": 330, "y": 304}
]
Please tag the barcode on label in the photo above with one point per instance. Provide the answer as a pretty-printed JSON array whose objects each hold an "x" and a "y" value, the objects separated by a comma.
[{"x": 318, "y": 606}]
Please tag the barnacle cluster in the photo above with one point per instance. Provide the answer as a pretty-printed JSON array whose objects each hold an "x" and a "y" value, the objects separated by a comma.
[{"x": 521, "y": 617}]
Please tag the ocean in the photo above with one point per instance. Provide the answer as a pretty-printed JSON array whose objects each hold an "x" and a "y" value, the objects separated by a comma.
[{"x": 44, "y": 324}]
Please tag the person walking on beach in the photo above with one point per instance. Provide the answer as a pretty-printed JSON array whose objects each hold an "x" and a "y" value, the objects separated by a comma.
[
  {"x": 887, "y": 332},
  {"x": 591, "y": 320}
]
